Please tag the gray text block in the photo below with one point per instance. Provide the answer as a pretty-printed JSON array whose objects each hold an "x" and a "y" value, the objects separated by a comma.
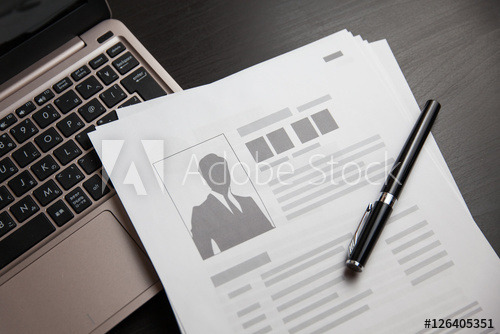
[
  {"x": 304, "y": 130},
  {"x": 259, "y": 149},
  {"x": 264, "y": 122},
  {"x": 324, "y": 121},
  {"x": 240, "y": 269}
]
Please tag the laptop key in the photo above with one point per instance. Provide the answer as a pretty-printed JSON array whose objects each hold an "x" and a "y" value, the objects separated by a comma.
[
  {"x": 25, "y": 109},
  {"x": 44, "y": 97},
  {"x": 95, "y": 187},
  {"x": 24, "y": 209},
  {"x": 110, "y": 117},
  {"x": 62, "y": 85},
  {"x": 115, "y": 49},
  {"x": 47, "y": 192},
  {"x": 7, "y": 169},
  {"x": 90, "y": 162},
  {"x": 48, "y": 140},
  {"x": 22, "y": 183},
  {"x": 83, "y": 139},
  {"x": 6, "y": 223},
  {"x": 69, "y": 177},
  {"x": 25, "y": 155},
  {"x": 24, "y": 130},
  {"x": 70, "y": 124},
  {"x": 45, "y": 168},
  {"x": 144, "y": 84},
  {"x": 89, "y": 87},
  {"x": 24, "y": 238},
  {"x": 60, "y": 213},
  {"x": 5, "y": 197},
  {"x": 67, "y": 101},
  {"x": 45, "y": 116},
  {"x": 6, "y": 144},
  {"x": 107, "y": 75},
  {"x": 80, "y": 73},
  {"x": 98, "y": 61},
  {"x": 67, "y": 152},
  {"x": 133, "y": 100},
  {"x": 104, "y": 37},
  {"x": 92, "y": 110},
  {"x": 7, "y": 121},
  {"x": 78, "y": 200},
  {"x": 125, "y": 63},
  {"x": 113, "y": 96}
]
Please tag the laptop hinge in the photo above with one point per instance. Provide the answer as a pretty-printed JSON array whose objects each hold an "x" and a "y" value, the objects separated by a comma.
[{"x": 40, "y": 67}]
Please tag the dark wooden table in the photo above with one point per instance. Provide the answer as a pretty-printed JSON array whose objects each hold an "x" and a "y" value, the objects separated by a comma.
[{"x": 448, "y": 50}]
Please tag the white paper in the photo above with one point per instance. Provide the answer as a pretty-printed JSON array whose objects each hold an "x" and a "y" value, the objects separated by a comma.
[{"x": 288, "y": 276}]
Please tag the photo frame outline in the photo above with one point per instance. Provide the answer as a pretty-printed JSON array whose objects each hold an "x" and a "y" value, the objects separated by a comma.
[{"x": 239, "y": 161}]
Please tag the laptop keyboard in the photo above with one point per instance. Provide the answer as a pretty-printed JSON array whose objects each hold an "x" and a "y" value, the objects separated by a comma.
[{"x": 49, "y": 171}]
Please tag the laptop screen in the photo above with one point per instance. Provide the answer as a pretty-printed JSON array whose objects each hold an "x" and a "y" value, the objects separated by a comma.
[
  {"x": 31, "y": 29},
  {"x": 21, "y": 19}
]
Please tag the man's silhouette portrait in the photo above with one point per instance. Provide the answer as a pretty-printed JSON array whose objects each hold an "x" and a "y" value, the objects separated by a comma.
[{"x": 225, "y": 218}]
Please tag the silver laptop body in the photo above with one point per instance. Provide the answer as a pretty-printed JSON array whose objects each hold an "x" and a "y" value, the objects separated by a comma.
[{"x": 70, "y": 260}]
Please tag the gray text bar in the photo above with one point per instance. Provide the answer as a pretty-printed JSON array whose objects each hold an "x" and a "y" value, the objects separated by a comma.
[
  {"x": 306, "y": 295},
  {"x": 419, "y": 252},
  {"x": 402, "y": 214},
  {"x": 305, "y": 256},
  {"x": 314, "y": 103},
  {"x": 425, "y": 262},
  {"x": 304, "y": 266},
  {"x": 330, "y": 311},
  {"x": 332, "y": 197},
  {"x": 264, "y": 121},
  {"x": 266, "y": 166},
  {"x": 305, "y": 150},
  {"x": 239, "y": 291},
  {"x": 309, "y": 280},
  {"x": 412, "y": 242},
  {"x": 312, "y": 184},
  {"x": 248, "y": 309},
  {"x": 310, "y": 307},
  {"x": 240, "y": 269},
  {"x": 406, "y": 232},
  {"x": 325, "y": 159},
  {"x": 323, "y": 191},
  {"x": 254, "y": 321},
  {"x": 342, "y": 319},
  {"x": 333, "y": 56},
  {"x": 431, "y": 273},
  {"x": 264, "y": 330}
]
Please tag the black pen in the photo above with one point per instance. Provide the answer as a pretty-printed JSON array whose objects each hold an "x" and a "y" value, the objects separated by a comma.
[{"x": 377, "y": 214}]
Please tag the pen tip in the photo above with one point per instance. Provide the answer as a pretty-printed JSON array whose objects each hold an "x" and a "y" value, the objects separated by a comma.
[{"x": 354, "y": 265}]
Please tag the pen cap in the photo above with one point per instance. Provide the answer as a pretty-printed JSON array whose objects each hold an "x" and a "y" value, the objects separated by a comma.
[{"x": 406, "y": 159}]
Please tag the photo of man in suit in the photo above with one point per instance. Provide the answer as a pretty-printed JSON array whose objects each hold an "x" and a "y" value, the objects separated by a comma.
[{"x": 223, "y": 217}]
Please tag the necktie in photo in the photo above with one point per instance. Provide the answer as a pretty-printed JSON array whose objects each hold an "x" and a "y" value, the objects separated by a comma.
[{"x": 232, "y": 206}]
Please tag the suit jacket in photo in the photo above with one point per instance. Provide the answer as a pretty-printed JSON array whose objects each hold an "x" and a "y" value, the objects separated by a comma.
[{"x": 212, "y": 220}]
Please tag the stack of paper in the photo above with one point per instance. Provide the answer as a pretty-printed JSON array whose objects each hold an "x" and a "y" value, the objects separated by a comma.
[{"x": 246, "y": 193}]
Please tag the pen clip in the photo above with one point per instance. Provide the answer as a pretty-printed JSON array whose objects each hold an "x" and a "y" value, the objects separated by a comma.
[{"x": 362, "y": 223}]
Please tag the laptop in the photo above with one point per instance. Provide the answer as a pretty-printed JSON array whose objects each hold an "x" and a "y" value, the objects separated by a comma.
[{"x": 70, "y": 260}]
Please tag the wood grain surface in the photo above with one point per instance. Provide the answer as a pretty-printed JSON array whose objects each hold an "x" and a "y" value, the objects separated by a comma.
[{"x": 448, "y": 50}]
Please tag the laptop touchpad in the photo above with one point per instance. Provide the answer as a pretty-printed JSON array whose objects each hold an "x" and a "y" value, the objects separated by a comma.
[{"x": 79, "y": 283}]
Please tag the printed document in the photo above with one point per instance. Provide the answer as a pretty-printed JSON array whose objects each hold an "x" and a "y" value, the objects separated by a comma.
[{"x": 246, "y": 193}]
